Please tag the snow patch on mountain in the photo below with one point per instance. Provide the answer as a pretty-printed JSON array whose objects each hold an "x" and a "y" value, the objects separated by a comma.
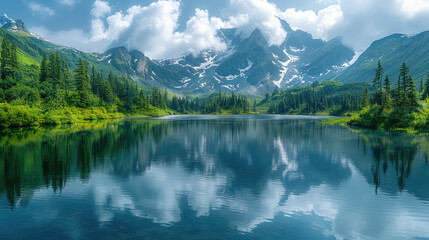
[{"x": 293, "y": 49}]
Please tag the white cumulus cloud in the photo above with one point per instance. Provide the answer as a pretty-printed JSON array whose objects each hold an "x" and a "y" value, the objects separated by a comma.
[
  {"x": 154, "y": 28},
  {"x": 319, "y": 24},
  {"x": 67, "y": 2},
  {"x": 100, "y": 9},
  {"x": 40, "y": 9},
  {"x": 151, "y": 29},
  {"x": 260, "y": 14}
]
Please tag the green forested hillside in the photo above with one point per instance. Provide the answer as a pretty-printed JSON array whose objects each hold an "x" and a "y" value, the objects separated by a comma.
[
  {"x": 395, "y": 105},
  {"x": 392, "y": 51},
  {"x": 329, "y": 97},
  {"x": 40, "y": 86},
  {"x": 31, "y": 50}
]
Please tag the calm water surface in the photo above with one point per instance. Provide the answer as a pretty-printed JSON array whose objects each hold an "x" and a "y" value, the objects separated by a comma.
[{"x": 212, "y": 177}]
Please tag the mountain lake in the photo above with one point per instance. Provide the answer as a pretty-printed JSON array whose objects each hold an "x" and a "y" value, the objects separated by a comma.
[{"x": 213, "y": 177}]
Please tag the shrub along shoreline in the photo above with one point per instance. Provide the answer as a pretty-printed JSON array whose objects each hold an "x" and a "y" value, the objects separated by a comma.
[{"x": 24, "y": 116}]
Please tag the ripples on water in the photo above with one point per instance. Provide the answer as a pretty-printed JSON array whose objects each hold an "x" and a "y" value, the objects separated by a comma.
[{"x": 212, "y": 177}]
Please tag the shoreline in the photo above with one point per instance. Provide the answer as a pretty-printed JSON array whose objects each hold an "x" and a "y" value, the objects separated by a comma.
[{"x": 338, "y": 121}]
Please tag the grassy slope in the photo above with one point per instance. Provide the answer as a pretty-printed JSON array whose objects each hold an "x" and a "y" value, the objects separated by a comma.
[
  {"x": 32, "y": 50},
  {"x": 420, "y": 124},
  {"x": 392, "y": 51}
]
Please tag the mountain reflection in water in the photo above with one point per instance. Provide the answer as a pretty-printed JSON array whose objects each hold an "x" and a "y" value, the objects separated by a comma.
[{"x": 231, "y": 177}]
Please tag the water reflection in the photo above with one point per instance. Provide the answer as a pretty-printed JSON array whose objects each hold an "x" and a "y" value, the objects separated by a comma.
[{"x": 250, "y": 174}]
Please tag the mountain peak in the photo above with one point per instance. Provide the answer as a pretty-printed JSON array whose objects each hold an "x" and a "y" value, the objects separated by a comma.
[
  {"x": 10, "y": 24},
  {"x": 4, "y": 19},
  {"x": 257, "y": 38},
  {"x": 118, "y": 51},
  {"x": 256, "y": 34},
  {"x": 285, "y": 25}
]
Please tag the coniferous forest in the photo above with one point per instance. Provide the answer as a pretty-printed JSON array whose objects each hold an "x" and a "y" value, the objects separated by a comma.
[
  {"x": 395, "y": 105},
  {"x": 327, "y": 98},
  {"x": 53, "y": 93},
  {"x": 57, "y": 94}
]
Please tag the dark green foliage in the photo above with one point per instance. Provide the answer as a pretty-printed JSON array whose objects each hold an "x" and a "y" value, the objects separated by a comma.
[
  {"x": 330, "y": 97},
  {"x": 14, "y": 116},
  {"x": 83, "y": 86},
  {"x": 215, "y": 103},
  {"x": 426, "y": 88},
  {"x": 65, "y": 88},
  {"x": 9, "y": 63},
  {"x": 388, "y": 114},
  {"x": 387, "y": 98},
  {"x": 377, "y": 84},
  {"x": 365, "y": 101},
  {"x": 370, "y": 118},
  {"x": 254, "y": 106}
]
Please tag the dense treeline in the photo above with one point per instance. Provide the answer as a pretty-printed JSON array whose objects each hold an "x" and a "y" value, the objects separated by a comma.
[
  {"x": 394, "y": 108},
  {"x": 62, "y": 95},
  {"x": 215, "y": 103},
  {"x": 314, "y": 98}
]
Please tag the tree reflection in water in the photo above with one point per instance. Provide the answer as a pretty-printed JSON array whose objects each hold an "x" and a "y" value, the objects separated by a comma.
[
  {"x": 393, "y": 150},
  {"x": 298, "y": 153}
]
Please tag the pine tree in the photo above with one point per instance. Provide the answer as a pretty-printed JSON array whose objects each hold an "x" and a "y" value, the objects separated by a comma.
[
  {"x": 108, "y": 93},
  {"x": 9, "y": 64},
  {"x": 426, "y": 88},
  {"x": 166, "y": 97},
  {"x": 254, "y": 106},
  {"x": 377, "y": 83},
  {"x": 365, "y": 101},
  {"x": 387, "y": 101},
  {"x": 5, "y": 55},
  {"x": 44, "y": 69},
  {"x": 404, "y": 78},
  {"x": 14, "y": 59},
  {"x": 276, "y": 91},
  {"x": 411, "y": 95},
  {"x": 175, "y": 103},
  {"x": 82, "y": 84},
  {"x": 397, "y": 94}
]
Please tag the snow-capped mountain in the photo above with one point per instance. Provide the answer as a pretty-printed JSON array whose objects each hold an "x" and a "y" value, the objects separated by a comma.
[
  {"x": 15, "y": 25},
  {"x": 252, "y": 66},
  {"x": 248, "y": 65},
  {"x": 4, "y": 19},
  {"x": 139, "y": 67}
]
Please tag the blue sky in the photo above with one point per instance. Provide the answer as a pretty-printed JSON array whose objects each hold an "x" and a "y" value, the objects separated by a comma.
[
  {"x": 169, "y": 28},
  {"x": 70, "y": 14}
]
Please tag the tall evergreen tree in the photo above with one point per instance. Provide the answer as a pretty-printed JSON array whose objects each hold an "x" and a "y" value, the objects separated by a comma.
[
  {"x": 377, "y": 83},
  {"x": 411, "y": 95},
  {"x": 426, "y": 88},
  {"x": 44, "y": 69},
  {"x": 404, "y": 78},
  {"x": 9, "y": 64},
  {"x": 365, "y": 101},
  {"x": 254, "y": 106},
  {"x": 166, "y": 97},
  {"x": 83, "y": 85},
  {"x": 387, "y": 100}
]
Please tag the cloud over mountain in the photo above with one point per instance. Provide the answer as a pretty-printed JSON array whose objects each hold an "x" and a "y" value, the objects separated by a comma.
[{"x": 160, "y": 30}]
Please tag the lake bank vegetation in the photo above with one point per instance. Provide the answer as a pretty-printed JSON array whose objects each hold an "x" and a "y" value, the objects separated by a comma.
[
  {"x": 398, "y": 108},
  {"x": 325, "y": 98},
  {"x": 50, "y": 93}
]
